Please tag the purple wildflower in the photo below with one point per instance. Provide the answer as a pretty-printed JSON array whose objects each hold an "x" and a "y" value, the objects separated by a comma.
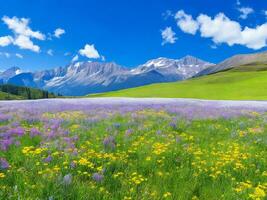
[
  {"x": 128, "y": 132},
  {"x": 109, "y": 142},
  {"x": 34, "y": 132},
  {"x": 72, "y": 165},
  {"x": 97, "y": 177},
  {"x": 3, "y": 163},
  {"x": 48, "y": 159},
  {"x": 173, "y": 125}
]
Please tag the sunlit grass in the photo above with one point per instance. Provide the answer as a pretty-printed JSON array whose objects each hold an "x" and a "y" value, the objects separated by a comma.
[{"x": 142, "y": 155}]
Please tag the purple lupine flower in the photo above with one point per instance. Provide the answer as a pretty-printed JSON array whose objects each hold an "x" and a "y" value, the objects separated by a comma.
[
  {"x": 4, "y": 118},
  {"x": 18, "y": 131},
  {"x": 128, "y": 132},
  {"x": 97, "y": 177},
  {"x": 48, "y": 159},
  {"x": 67, "y": 179},
  {"x": 5, "y": 143},
  {"x": 15, "y": 124},
  {"x": 158, "y": 132},
  {"x": 173, "y": 125},
  {"x": 72, "y": 165},
  {"x": 34, "y": 132},
  {"x": 3, "y": 163},
  {"x": 109, "y": 142}
]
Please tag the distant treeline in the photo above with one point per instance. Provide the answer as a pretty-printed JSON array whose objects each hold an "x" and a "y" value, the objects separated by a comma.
[{"x": 25, "y": 92}]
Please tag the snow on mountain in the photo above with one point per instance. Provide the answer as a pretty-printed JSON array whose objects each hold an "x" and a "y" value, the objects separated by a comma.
[
  {"x": 83, "y": 78},
  {"x": 9, "y": 73},
  {"x": 185, "y": 67}
]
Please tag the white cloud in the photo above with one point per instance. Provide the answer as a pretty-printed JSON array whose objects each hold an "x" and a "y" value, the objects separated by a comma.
[
  {"x": 221, "y": 29},
  {"x": 5, "y": 41},
  {"x": 50, "y": 52},
  {"x": 245, "y": 11},
  {"x": 7, "y": 55},
  {"x": 89, "y": 51},
  {"x": 19, "y": 55},
  {"x": 238, "y": 3},
  {"x": 186, "y": 22},
  {"x": 75, "y": 58},
  {"x": 21, "y": 27},
  {"x": 24, "y": 42},
  {"x": 58, "y": 32},
  {"x": 168, "y": 36},
  {"x": 22, "y": 33}
]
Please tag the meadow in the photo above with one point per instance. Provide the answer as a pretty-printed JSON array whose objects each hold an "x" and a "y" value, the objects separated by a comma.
[
  {"x": 57, "y": 149},
  {"x": 247, "y": 82}
]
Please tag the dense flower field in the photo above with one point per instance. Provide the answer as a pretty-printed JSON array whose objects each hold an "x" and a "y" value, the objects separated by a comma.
[{"x": 83, "y": 150}]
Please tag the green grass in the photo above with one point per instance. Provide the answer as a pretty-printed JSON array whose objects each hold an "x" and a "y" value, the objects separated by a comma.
[
  {"x": 13, "y": 92},
  {"x": 158, "y": 159},
  {"x": 248, "y": 82},
  {"x": 7, "y": 96}
]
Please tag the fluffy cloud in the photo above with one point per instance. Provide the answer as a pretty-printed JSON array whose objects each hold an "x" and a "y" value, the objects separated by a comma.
[
  {"x": 21, "y": 27},
  {"x": 22, "y": 33},
  {"x": 89, "y": 51},
  {"x": 221, "y": 29},
  {"x": 58, "y": 32},
  {"x": 168, "y": 36},
  {"x": 186, "y": 22},
  {"x": 75, "y": 58},
  {"x": 19, "y": 55},
  {"x": 245, "y": 11},
  {"x": 5, "y": 41},
  {"x": 50, "y": 52},
  {"x": 24, "y": 42}
]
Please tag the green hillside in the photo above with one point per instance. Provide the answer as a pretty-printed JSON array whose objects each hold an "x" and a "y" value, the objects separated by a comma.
[
  {"x": 243, "y": 82},
  {"x": 7, "y": 96},
  {"x": 12, "y": 92}
]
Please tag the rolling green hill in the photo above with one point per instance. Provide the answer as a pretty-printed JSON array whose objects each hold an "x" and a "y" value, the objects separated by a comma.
[
  {"x": 7, "y": 96},
  {"x": 12, "y": 92},
  {"x": 246, "y": 82}
]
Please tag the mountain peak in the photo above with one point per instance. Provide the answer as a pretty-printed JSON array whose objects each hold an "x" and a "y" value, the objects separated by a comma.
[
  {"x": 9, "y": 73},
  {"x": 191, "y": 60}
]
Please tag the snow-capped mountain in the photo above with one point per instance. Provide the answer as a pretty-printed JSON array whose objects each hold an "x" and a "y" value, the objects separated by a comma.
[
  {"x": 185, "y": 67},
  {"x": 83, "y": 78},
  {"x": 9, "y": 73}
]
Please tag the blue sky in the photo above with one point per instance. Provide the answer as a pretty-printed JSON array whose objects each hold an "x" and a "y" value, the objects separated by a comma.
[{"x": 127, "y": 32}]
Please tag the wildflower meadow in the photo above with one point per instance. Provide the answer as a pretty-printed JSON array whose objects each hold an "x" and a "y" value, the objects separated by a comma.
[{"x": 82, "y": 149}]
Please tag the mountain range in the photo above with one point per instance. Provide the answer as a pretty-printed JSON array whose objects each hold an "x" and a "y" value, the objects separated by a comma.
[{"x": 83, "y": 78}]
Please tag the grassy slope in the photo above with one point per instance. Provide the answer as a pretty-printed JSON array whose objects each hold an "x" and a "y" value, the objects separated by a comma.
[
  {"x": 244, "y": 82},
  {"x": 6, "y": 96},
  {"x": 13, "y": 92}
]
